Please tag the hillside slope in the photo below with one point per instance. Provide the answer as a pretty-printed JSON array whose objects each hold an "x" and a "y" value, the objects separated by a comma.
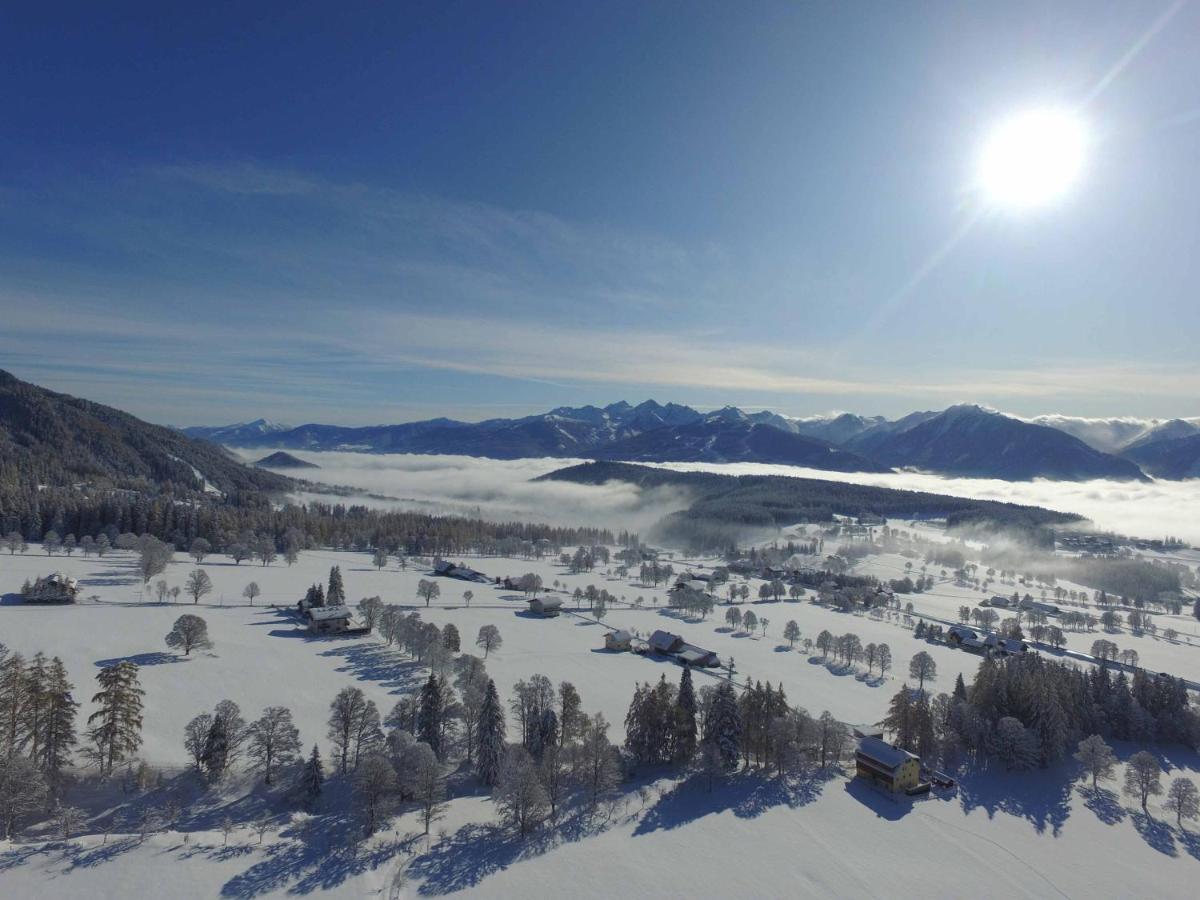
[
  {"x": 1174, "y": 458},
  {"x": 972, "y": 441},
  {"x": 55, "y": 439}
]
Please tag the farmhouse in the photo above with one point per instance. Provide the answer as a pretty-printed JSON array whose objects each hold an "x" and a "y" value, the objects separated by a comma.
[
  {"x": 667, "y": 644},
  {"x": 452, "y": 570},
  {"x": 56, "y": 588},
  {"x": 618, "y": 640},
  {"x": 889, "y": 767},
  {"x": 1001, "y": 646},
  {"x": 329, "y": 619},
  {"x": 692, "y": 655},
  {"x": 546, "y": 607}
]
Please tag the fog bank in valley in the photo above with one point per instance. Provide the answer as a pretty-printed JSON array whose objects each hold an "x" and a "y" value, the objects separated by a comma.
[
  {"x": 1151, "y": 510},
  {"x": 498, "y": 490},
  {"x": 503, "y": 490}
]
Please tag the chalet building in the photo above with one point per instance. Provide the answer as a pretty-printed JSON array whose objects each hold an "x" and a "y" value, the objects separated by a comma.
[
  {"x": 619, "y": 640},
  {"x": 889, "y": 767},
  {"x": 546, "y": 607},
  {"x": 56, "y": 588},
  {"x": 329, "y": 619}
]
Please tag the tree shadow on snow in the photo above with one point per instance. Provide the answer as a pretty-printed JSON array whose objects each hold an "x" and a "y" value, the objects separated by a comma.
[
  {"x": 142, "y": 659},
  {"x": 1041, "y": 797},
  {"x": 379, "y": 663},
  {"x": 478, "y": 850},
  {"x": 747, "y": 795},
  {"x": 1159, "y": 835},
  {"x": 1104, "y": 804},
  {"x": 318, "y": 854}
]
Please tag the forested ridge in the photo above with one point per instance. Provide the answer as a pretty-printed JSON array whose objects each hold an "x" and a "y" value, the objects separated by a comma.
[
  {"x": 725, "y": 504},
  {"x": 80, "y": 468}
]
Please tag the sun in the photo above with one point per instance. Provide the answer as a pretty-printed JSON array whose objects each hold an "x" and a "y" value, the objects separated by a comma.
[{"x": 1032, "y": 158}]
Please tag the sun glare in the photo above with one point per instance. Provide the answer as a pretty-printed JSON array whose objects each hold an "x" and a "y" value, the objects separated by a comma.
[{"x": 1032, "y": 158}]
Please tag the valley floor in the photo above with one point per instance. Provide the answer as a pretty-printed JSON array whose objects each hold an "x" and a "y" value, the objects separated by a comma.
[{"x": 996, "y": 835}]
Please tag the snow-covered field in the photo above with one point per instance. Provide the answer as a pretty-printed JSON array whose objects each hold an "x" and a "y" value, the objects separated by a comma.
[{"x": 997, "y": 836}]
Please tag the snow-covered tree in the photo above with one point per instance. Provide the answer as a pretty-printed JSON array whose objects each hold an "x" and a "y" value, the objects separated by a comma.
[
  {"x": 488, "y": 638},
  {"x": 428, "y": 590},
  {"x": 353, "y": 727},
  {"x": 272, "y": 741},
  {"x": 189, "y": 633},
  {"x": 1014, "y": 745},
  {"x": 519, "y": 793},
  {"x": 922, "y": 667},
  {"x": 1183, "y": 799},
  {"x": 598, "y": 766},
  {"x": 22, "y": 791},
  {"x": 375, "y": 784},
  {"x": 791, "y": 633},
  {"x": 370, "y": 609},
  {"x": 426, "y": 783},
  {"x": 1143, "y": 777},
  {"x": 153, "y": 557},
  {"x": 198, "y": 584},
  {"x": 1096, "y": 757},
  {"x": 450, "y": 638},
  {"x": 251, "y": 591},
  {"x": 199, "y": 549}
]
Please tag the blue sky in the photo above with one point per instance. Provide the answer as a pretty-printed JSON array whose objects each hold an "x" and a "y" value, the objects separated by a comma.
[{"x": 373, "y": 213}]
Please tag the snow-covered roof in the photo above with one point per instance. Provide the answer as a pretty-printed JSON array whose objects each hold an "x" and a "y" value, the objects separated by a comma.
[
  {"x": 547, "y": 602},
  {"x": 620, "y": 635},
  {"x": 664, "y": 641},
  {"x": 693, "y": 655},
  {"x": 883, "y": 753},
  {"x": 327, "y": 613}
]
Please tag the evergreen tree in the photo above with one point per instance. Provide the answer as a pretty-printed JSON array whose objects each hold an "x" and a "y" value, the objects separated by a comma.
[
  {"x": 960, "y": 688},
  {"x": 215, "y": 756},
  {"x": 429, "y": 719},
  {"x": 312, "y": 778},
  {"x": 685, "y": 718},
  {"x": 115, "y": 729},
  {"x": 14, "y": 689},
  {"x": 491, "y": 736},
  {"x": 900, "y": 721},
  {"x": 336, "y": 595},
  {"x": 723, "y": 727},
  {"x": 59, "y": 736}
]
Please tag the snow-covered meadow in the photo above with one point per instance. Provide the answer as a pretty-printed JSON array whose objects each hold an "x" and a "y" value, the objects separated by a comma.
[{"x": 1029, "y": 835}]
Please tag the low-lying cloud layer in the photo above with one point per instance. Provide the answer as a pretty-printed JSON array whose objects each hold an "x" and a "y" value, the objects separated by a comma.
[
  {"x": 1146, "y": 510},
  {"x": 499, "y": 490},
  {"x": 503, "y": 490}
]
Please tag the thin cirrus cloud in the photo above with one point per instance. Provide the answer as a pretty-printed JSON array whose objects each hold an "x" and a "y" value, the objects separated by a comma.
[{"x": 210, "y": 293}]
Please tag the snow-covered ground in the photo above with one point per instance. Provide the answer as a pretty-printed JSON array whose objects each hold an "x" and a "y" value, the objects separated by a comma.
[{"x": 997, "y": 836}]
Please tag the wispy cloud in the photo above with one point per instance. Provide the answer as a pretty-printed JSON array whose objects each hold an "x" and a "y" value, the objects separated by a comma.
[{"x": 212, "y": 292}]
